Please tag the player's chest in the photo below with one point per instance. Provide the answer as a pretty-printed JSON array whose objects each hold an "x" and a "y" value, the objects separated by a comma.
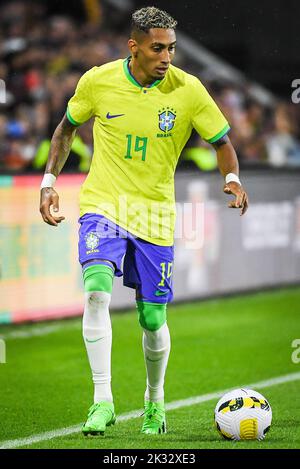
[{"x": 146, "y": 112}]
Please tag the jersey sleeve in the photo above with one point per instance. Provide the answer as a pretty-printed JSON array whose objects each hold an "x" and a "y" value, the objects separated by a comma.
[
  {"x": 80, "y": 106},
  {"x": 207, "y": 118}
]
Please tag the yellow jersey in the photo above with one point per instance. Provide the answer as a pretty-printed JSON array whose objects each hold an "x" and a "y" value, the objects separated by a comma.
[{"x": 139, "y": 133}]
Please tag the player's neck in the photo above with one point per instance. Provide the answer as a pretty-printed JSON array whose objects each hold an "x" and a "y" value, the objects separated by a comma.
[{"x": 138, "y": 74}]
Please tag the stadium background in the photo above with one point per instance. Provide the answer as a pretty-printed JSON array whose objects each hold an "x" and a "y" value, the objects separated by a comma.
[{"x": 248, "y": 57}]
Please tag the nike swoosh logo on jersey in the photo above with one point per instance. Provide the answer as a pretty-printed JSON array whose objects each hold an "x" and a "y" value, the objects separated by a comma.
[
  {"x": 160, "y": 293},
  {"x": 112, "y": 116},
  {"x": 92, "y": 341}
]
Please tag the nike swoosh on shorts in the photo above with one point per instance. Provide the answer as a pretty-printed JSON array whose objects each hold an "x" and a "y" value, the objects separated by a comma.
[{"x": 160, "y": 293}]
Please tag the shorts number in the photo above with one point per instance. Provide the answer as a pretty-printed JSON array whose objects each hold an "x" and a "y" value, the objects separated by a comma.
[{"x": 163, "y": 272}]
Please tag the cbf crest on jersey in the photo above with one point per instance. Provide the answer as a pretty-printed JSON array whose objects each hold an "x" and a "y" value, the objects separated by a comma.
[
  {"x": 166, "y": 119},
  {"x": 92, "y": 242}
]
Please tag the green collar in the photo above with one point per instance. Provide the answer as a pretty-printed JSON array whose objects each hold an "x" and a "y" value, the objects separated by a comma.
[{"x": 131, "y": 78}]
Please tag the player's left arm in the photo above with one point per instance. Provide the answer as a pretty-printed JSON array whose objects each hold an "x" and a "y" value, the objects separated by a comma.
[{"x": 228, "y": 163}]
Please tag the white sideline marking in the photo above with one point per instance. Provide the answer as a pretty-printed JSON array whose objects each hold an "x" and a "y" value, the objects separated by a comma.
[
  {"x": 39, "y": 331},
  {"x": 30, "y": 440}
]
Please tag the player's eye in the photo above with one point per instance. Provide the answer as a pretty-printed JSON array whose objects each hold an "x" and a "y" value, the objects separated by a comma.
[
  {"x": 172, "y": 49},
  {"x": 157, "y": 49}
]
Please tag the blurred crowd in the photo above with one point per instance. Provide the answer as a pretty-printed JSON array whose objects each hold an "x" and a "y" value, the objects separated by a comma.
[
  {"x": 42, "y": 57},
  {"x": 260, "y": 133}
]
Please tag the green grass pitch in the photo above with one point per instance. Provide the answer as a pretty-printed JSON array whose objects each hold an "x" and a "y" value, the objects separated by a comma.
[{"x": 217, "y": 344}]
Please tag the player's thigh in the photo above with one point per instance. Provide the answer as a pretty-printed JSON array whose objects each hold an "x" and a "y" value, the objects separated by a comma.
[
  {"x": 100, "y": 243},
  {"x": 154, "y": 265}
]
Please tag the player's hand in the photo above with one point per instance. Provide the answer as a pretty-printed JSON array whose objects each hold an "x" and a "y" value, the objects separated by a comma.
[
  {"x": 49, "y": 197},
  {"x": 241, "y": 197}
]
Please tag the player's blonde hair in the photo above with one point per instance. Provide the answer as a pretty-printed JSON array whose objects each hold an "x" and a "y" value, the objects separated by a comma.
[{"x": 151, "y": 17}]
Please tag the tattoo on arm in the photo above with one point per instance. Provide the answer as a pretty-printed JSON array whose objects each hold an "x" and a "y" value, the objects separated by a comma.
[{"x": 60, "y": 146}]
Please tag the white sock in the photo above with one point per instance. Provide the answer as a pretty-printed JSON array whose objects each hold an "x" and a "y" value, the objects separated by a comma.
[
  {"x": 156, "y": 346},
  {"x": 97, "y": 336}
]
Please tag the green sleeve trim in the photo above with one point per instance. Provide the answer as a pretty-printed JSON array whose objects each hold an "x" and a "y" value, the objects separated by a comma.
[
  {"x": 219, "y": 135},
  {"x": 70, "y": 118}
]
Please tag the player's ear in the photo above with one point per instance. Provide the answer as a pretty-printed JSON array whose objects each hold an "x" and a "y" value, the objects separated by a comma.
[{"x": 133, "y": 47}]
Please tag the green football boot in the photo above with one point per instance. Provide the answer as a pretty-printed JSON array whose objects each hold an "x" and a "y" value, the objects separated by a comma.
[
  {"x": 100, "y": 416},
  {"x": 154, "y": 418}
]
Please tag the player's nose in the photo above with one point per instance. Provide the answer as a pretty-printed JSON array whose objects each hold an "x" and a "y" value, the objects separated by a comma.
[{"x": 166, "y": 58}]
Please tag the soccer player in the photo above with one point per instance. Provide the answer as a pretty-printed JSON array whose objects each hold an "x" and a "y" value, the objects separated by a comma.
[{"x": 144, "y": 110}]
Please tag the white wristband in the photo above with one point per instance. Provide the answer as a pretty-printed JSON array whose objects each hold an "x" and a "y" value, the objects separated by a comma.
[
  {"x": 231, "y": 177},
  {"x": 48, "y": 180}
]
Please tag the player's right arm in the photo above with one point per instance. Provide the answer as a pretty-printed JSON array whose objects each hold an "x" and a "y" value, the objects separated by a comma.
[
  {"x": 80, "y": 109},
  {"x": 59, "y": 151}
]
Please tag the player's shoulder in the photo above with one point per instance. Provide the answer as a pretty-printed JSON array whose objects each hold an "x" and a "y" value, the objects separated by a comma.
[
  {"x": 184, "y": 78},
  {"x": 105, "y": 71}
]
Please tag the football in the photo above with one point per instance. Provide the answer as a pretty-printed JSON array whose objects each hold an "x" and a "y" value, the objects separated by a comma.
[{"x": 243, "y": 414}]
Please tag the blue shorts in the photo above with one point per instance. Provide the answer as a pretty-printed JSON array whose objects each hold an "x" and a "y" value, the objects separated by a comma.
[{"x": 147, "y": 267}]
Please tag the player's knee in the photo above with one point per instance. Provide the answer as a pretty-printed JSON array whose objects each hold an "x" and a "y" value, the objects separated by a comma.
[
  {"x": 151, "y": 315},
  {"x": 97, "y": 300},
  {"x": 96, "y": 319},
  {"x": 97, "y": 278}
]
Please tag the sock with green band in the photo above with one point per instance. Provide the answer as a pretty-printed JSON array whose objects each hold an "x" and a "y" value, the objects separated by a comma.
[
  {"x": 156, "y": 347},
  {"x": 98, "y": 281}
]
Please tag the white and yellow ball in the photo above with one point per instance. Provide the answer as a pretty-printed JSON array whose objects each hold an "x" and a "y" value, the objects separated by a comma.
[{"x": 243, "y": 414}]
